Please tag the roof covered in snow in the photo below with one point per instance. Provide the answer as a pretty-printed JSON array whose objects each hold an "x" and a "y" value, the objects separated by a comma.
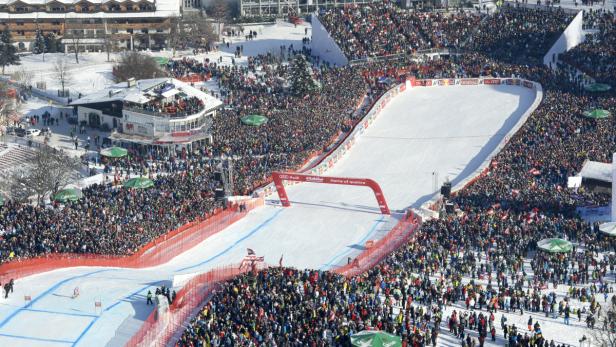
[
  {"x": 164, "y": 8},
  {"x": 146, "y": 90}
]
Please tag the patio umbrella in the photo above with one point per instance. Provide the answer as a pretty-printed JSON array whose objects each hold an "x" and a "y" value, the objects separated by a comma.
[
  {"x": 375, "y": 338},
  {"x": 139, "y": 183},
  {"x": 254, "y": 120},
  {"x": 69, "y": 194},
  {"x": 597, "y": 87},
  {"x": 597, "y": 113},
  {"x": 555, "y": 245},
  {"x": 114, "y": 152}
]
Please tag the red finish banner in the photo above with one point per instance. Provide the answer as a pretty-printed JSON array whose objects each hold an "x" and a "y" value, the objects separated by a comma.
[{"x": 279, "y": 177}]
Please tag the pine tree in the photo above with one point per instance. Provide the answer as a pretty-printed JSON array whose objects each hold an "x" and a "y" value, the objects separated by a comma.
[
  {"x": 301, "y": 80},
  {"x": 39, "y": 45},
  {"x": 8, "y": 52},
  {"x": 51, "y": 43}
]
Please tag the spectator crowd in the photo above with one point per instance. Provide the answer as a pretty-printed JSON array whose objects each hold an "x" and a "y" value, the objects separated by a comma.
[{"x": 464, "y": 273}]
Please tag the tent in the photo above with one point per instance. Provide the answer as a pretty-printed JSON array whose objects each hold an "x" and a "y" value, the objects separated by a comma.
[
  {"x": 254, "y": 120},
  {"x": 597, "y": 87},
  {"x": 375, "y": 338},
  {"x": 139, "y": 183},
  {"x": 608, "y": 228},
  {"x": 555, "y": 245},
  {"x": 597, "y": 113},
  {"x": 114, "y": 152},
  {"x": 69, "y": 194}
]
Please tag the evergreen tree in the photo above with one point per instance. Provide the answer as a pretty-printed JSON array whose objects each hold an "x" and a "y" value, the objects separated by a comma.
[
  {"x": 301, "y": 80},
  {"x": 8, "y": 52},
  {"x": 39, "y": 44},
  {"x": 51, "y": 43}
]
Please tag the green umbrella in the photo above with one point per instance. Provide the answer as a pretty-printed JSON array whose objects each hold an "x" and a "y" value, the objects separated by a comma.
[
  {"x": 161, "y": 60},
  {"x": 114, "y": 152},
  {"x": 597, "y": 113},
  {"x": 375, "y": 338},
  {"x": 555, "y": 245},
  {"x": 254, "y": 120},
  {"x": 608, "y": 228},
  {"x": 597, "y": 87},
  {"x": 139, "y": 183},
  {"x": 69, "y": 194}
]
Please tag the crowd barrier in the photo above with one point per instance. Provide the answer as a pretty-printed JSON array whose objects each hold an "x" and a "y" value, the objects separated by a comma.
[
  {"x": 156, "y": 252},
  {"x": 159, "y": 328},
  {"x": 380, "y": 249}
]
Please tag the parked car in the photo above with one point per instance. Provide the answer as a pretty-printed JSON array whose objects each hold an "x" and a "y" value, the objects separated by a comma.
[{"x": 33, "y": 132}]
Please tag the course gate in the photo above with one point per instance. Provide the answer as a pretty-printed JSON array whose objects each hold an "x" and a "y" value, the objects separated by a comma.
[{"x": 279, "y": 177}]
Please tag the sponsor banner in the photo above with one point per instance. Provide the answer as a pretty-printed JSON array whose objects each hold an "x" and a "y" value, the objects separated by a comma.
[
  {"x": 424, "y": 83},
  {"x": 491, "y": 81},
  {"x": 469, "y": 81}
]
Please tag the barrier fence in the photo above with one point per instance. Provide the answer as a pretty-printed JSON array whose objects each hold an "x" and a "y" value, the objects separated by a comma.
[
  {"x": 161, "y": 327},
  {"x": 376, "y": 252},
  {"x": 156, "y": 252}
]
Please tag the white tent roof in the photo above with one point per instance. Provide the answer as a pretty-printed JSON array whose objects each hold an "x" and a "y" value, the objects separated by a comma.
[{"x": 597, "y": 171}]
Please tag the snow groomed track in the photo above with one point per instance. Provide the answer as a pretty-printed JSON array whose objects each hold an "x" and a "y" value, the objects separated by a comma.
[{"x": 451, "y": 130}]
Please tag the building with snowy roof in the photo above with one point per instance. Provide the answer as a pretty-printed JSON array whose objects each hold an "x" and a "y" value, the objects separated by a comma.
[
  {"x": 160, "y": 111},
  {"x": 130, "y": 23}
]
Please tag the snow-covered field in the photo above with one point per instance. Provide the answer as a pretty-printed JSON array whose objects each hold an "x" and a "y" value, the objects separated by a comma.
[
  {"x": 411, "y": 138},
  {"x": 93, "y": 72}
]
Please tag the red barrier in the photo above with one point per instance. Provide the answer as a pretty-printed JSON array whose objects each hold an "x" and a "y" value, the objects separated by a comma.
[
  {"x": 370, "y": 257},
  {"x": 279, "y": 177},
  {"x": 156, "y": 252},
  {"x": 158, "y": 329}
]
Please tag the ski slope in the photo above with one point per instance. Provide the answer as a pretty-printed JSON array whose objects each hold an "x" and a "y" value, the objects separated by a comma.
[{"x": 449, "y": 130}]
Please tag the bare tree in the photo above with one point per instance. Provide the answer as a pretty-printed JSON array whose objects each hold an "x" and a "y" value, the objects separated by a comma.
[
  {"x": 604, "y": 333},
  {"x": 190, "y": 31},
  {"x": 44, "y": 173},
  {"x": 24, "y": 77},
  {"x": 136, "y": 65},
  {"x": 220, "y": 10},
  {"x": 60, "y": 68},
  {"x": 73, "y": 33}
]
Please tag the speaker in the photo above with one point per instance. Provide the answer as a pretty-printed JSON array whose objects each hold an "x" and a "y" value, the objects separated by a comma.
[
  {"x": 446, "y": 189},
  {"x": 219, "y": 194},
  {"x": 218, "y": 176}
]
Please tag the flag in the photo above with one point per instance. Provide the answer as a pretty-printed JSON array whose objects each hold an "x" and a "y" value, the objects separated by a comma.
[
  {"x": 280, "y": 261},
  {"x": 250, "y": 251}
]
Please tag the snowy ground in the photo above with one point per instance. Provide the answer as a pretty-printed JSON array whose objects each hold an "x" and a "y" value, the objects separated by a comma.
[
  {"x": 411, "y": 138},
  {"x": 93, "y": 72}
]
